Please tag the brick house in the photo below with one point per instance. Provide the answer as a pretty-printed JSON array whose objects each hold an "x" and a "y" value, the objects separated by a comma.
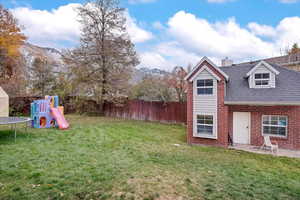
[{"x": 241, "y": 103}]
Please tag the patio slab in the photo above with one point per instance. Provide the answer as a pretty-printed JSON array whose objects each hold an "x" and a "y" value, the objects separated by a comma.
[{"x": 255, "y": 149}]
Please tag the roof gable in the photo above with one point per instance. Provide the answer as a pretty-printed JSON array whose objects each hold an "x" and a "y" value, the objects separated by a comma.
[
  {"x": 266, "y": 65},
  {"x": 204, "y": 68},
  {"x": 195, "y": 72}
]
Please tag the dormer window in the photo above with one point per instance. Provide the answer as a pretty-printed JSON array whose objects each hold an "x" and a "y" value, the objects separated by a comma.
[
  {"x": 262, "y": 75},
  {"x": 262, "y": 79}
]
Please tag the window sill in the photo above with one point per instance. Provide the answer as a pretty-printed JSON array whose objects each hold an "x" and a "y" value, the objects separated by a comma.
[
  {"x": 262, "y": 87},
  {"x": 276, "y": 136},
  {"x": 206, "y": 136}
]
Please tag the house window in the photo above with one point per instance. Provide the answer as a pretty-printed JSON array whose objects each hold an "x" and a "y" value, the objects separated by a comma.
[
  {"x": 205, "y": 124},
  {"x": 274, "y": 125},
  {"x": 262, "y": 79},
  {"x": 205, "y": 86}
]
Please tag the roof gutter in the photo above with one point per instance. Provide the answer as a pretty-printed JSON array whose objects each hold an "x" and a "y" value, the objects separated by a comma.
[{"x": 263, "y": 103}]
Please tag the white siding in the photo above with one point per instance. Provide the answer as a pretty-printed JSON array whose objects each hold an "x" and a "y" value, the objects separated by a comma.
[
  {"x": 262, "y": 69},
  {"x": 205, "y": 104}
]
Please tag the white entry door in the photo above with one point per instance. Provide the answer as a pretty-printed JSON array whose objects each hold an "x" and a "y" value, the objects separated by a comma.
[{"x": 241, "y": 127}]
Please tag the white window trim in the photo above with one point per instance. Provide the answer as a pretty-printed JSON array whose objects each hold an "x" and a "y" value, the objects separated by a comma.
[
  {"x": 262, "y": 79},
  {"x": 272, "y": 135},
  {"x": 204, "y": 87},
  {"x": 215, "y": 126}
]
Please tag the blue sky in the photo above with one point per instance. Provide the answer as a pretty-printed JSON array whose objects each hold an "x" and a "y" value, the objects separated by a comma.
[{"x": 169, "y": 33}]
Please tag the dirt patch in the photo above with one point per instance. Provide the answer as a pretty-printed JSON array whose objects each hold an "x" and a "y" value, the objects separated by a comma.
[{"x": 162, "y": 186}]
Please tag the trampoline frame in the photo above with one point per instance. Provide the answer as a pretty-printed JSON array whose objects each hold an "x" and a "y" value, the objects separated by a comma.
[{"x": 13, "y": 121}]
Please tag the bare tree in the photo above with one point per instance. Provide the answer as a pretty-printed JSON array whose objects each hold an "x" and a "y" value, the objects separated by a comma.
[
  {"x": 177, "y": 82},
  {"x": 153, "y": 88},
  {"x": 106, "y": 56},
  {"x": 42, "y": 77}
]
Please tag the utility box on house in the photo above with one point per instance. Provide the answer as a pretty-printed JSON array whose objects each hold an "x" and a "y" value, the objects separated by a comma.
[{"x": 4, "y": 103}]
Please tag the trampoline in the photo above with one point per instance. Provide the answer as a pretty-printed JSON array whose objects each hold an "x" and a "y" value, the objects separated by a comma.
[{"x": 13, "y": 121}]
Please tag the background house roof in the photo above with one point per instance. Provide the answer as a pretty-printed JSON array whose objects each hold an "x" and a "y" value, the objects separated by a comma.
[{"x": 287, "y": 90}]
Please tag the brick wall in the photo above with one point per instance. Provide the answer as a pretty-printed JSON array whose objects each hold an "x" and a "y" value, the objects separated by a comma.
[
  {"x": 222, "y": 126},
  {"x": 190, "y": 113},
  {"x": 292, "y": 141}
]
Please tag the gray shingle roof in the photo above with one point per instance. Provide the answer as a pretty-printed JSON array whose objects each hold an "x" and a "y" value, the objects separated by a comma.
[{"x": 237, "y": 90}]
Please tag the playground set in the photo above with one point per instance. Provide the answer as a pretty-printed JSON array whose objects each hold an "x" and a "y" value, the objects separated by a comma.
[{"x": 46, "y": 113}]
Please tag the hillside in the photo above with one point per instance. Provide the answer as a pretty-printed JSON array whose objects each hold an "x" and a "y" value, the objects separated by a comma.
[
  {"x": 54, "y": 56},
  {"x": 140, "y": 73}
]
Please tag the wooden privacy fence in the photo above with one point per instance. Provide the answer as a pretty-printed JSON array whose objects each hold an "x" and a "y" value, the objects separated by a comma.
[{"x": 167, "y": 112}]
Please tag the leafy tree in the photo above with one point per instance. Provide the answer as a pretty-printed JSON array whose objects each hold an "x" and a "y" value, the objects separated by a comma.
[
  {"x": 106, "y": 57},
  {"x": 295, "y": 49},
  {"x": 63, "y": 86},
  {"x": 11, "y": 39},
  {"x": 153, "y": 88},
  {"x": 42, "y": 77}
]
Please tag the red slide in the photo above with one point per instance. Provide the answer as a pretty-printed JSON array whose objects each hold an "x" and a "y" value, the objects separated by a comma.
[{"x": 60, "y": 119}]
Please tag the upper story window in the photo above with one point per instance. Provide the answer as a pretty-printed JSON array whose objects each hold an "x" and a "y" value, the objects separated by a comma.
[
  {"x": 262, "y": 79},
  {"x": 205, "y": 86}
]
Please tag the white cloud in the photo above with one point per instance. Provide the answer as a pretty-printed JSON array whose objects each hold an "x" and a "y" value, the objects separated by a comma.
[
  {"x": 283, "y": 35},
  {"x": 152, "y": 59},
  {"x": 190, "y": 38},
  {"x": 59, "y": 26},
  {"x": 218, "y": 39},
  {"x": 262, "y": 30},
  {"x": 140, "y": 1},
  {"x": 287, "y": 32},
  {"x": 136, "y": 33},
  {"x": 167, "y": 55},
  {"x": 288, "y": 1},
  {"x": 44, "y": 27},
  {"x": 227, "y": 38}
]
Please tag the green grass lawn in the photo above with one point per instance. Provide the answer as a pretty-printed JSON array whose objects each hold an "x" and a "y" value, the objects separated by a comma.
[{"x": 104, "y": 158}]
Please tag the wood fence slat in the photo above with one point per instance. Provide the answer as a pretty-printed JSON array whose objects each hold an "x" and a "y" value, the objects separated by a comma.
[{"x": 171, "y": 112}]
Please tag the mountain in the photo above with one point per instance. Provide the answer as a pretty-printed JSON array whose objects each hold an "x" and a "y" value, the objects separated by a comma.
[
  {"x": 140, "y": 73},
  {"x": 53, "y": 56}
]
